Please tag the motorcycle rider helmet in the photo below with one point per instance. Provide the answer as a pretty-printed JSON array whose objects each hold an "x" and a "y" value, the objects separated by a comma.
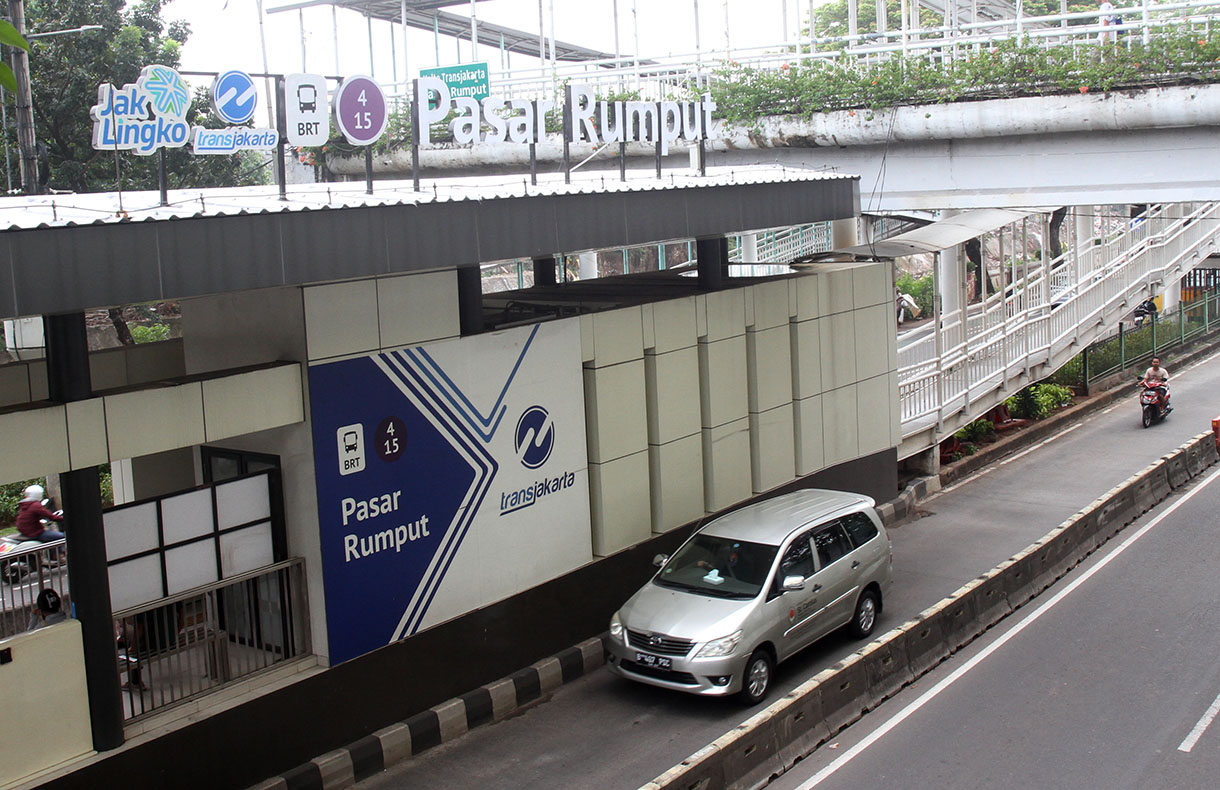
[{"x": 32, "y": 494}]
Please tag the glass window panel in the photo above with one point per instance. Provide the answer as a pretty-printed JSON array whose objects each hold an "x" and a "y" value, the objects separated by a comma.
[
  {"x": 224, "y": 467},
  {"x": 190, "y": 566},
  {"x": 135, "y": 582},
  {"x": 246, "y": 549},
  {"x": 242, "y": 501},
  {"x": 130, "y": 530},
  {"x": 186, "y": 516}
]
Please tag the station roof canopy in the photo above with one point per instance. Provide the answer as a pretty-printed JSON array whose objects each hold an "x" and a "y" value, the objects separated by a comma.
[
  {"x": 426, "y": 15},
  {"x": 65, "y": 253},
  {"x": 940, "y": 235}
]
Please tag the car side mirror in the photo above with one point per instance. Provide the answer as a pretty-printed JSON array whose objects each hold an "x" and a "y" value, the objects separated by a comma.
[
  {"x": 659, "y": 560},
  {"x": 793, "y": 583}
]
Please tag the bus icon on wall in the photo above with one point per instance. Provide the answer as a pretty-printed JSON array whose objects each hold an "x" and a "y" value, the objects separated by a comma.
[{"x": 350, "y": 440}]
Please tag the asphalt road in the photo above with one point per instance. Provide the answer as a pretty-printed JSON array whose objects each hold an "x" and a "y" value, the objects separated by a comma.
[
  {"x": 611, "y": 733},
  {"x": 1108, "y": 681}
]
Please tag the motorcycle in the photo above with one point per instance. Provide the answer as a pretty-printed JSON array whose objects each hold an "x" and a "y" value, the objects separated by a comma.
[
  {"x": 25, "y": 559},
  {"x": 1143, "y": 312},
  {"x": 1154, "y": 402}
]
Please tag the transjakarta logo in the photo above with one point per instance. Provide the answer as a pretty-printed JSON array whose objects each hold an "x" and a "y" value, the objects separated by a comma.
[
  {"x": 534, "y": 440},
  {"x": 535, "y": 437},
  {"x": 124, "y": 120},
  {"x": 228, "y": 141}
]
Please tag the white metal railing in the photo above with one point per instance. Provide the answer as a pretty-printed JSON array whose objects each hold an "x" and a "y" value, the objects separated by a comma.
[
  {"x": 1041, "y": 322},
  {"x": 784, "y": 245},
  {"x": 24, "y": 572},
  {"x": 659, "y": 77}
]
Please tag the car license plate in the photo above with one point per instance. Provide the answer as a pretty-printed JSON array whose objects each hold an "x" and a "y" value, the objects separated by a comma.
[{"x": 660, "y": 662}]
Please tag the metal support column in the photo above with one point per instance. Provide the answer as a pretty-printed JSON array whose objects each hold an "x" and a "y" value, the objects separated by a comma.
[
  {"x": 544, "y": 271},
  {"x": 470, "y": 300},
  {"x": 711, "y": 257},
  {"x": 68, "y": 381}
]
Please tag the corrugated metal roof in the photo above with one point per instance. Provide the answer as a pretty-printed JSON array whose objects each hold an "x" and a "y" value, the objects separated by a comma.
[{"x": 100, "y": 208}]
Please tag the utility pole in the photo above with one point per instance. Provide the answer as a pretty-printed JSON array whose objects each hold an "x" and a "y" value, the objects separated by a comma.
[{"x": 25, "y": 106}]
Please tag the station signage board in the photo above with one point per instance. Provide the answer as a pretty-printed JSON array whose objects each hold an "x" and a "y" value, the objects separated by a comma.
[{"x": 468, "y": 80}]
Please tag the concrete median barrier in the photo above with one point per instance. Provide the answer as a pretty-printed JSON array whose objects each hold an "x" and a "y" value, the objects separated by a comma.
[
  {"x": 775, "y": 739},
  {"x": 887, "y": 666}
]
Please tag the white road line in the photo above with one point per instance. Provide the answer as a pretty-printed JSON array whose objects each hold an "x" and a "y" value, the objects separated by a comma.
[
  {"x": 1200, "y": 727},
  {"x": 957, "y": 674},
  {"x": 1010, "y": 459}
]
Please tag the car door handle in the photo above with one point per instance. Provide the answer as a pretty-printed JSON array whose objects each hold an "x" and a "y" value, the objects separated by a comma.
[
  {"x": 856, "y": 564},
  {"x": 816, "y": 588}
]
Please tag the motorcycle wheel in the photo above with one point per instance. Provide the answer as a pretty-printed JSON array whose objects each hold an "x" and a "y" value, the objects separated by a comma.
[
  {"x": 13, "y": 572},
  {"x": 1149, "y": 415}
]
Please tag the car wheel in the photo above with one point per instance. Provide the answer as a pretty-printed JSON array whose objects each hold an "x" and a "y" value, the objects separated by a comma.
[
  {"x": 757, "y": 679},
  {"x": 865, "y": 619}
]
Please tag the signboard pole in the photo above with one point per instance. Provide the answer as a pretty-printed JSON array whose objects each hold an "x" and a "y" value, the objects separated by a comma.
[
  {"x": 162, "y": 177},
  {"x": 534, "y": 151},
  {"x": 567, "y": 133},
  {"x": 660, "y": 134},
  {"x": 622, "y": 161},
  {"x": 281, "y": 125},
  {"x": 368, "y": 170},
  {"x": 415, "y": 136}
]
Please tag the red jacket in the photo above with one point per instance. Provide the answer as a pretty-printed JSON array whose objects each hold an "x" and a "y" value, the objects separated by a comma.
[{"x": 29, "y": 518}]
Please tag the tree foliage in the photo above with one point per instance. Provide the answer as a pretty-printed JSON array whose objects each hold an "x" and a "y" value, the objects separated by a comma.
[{"x": 65, "y": 72}]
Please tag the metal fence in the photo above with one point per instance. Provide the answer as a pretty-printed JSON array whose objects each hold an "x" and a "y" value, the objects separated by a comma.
[
  {"x": 23, "y": 574},
  {"x": 202, "y": 639}
]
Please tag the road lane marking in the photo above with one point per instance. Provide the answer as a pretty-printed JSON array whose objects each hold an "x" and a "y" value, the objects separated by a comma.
[
  {"x": 1029, "y": 620},
  {"x": 1200, "y": 726},
  {"x": 1010, "y": 459}
]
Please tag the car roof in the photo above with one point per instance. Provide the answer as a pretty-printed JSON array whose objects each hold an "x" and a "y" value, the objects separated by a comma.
[{"x": 772, "y": 520}]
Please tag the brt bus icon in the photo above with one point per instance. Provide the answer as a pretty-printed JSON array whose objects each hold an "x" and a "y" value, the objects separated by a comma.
[{"x": 351, "y": 448}]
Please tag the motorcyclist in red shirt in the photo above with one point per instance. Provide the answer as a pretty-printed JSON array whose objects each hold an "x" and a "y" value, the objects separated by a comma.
[{"x": 31, "y": 513}]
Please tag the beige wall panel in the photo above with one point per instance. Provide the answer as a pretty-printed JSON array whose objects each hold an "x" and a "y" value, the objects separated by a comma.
[
  {"x": 809, "y": 440},
  {"x": 772, "y": 448},
  {"x": 614, "y": 411},
  {"x": 726, "y": 314},
  {"x": 676, "y": 476},
  {"x": 803, "y": 296},
  {"x": 769, "y": 352},
  {"x": 771, "y": 305},
  {"x": 723, "y": 393},
  {"x": 873, "y": 285},
  {"x": 108, "y": 370},
  {"x": 149, "y": 421},
  {"x": 341, "y": 319},
  {"x": 38, "y": 380},
  {"x": 618, "y": 336},
  {"x": 243, "y": 328},
  {"x": 673, "y": 394},
  {"x": 33, "y": 442},
  {"x": 619, "y": 503},
  {"x": 874, "y": 414},
  {"x": 87, "y": 433},
  {"x": 674, "y": 325},
  {"x": 874, "y": 335},
  {"x": 896, "y": 411},
  {"x": 156, "y": 361},
  {"x": 14, "y": 384},
  {"x": 648, "y": 325},
  {"x": 838, "y": 350},
  {"x": 840, "y": 425},
  {"x": 417, "y": 308},
  {"x": 726, "y": 465},
  {"x": 587, "y": 347},
  {"x": 254, "y": 401},
  {"x": 806, "y": 358},
  {"x": 836, "y": 293},
  {"x": 45, "y": 723}
]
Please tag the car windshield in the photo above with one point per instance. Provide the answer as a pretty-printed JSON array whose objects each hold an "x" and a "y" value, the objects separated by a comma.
[{"x": 720, "y": 567}]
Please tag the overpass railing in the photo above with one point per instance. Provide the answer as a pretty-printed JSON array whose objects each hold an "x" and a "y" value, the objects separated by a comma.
[
  {"x": 655, "y": 78},
  {"x": 1042, "y": 322}
]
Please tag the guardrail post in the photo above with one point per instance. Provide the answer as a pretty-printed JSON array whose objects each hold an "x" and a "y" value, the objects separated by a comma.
[
  {"x": 1181, "y": 323},
  {"x": 1084, "y": 358},
  {"x": 1153, "y": 319},
  {"x": 1122, "y": 348}
]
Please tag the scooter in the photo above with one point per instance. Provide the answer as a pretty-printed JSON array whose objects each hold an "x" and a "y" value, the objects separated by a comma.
[
  {"x": 1154, "y": 402},
  {"x": 24, "y": 562},
  {"x": 1143, "y": 312}
]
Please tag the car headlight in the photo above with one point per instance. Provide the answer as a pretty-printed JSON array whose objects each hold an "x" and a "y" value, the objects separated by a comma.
[
  {"x": 720, "y": 647},
  {"x": 616, "y": 626}
]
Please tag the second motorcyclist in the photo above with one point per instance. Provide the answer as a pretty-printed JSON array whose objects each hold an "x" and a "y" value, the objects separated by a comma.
[
  {"x": 1157, "y": 376},
  {"x": 30, "y": 516}
]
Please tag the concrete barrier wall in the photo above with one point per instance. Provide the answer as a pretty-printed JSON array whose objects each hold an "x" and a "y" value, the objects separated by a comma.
[{"x": 770, "y": 742}]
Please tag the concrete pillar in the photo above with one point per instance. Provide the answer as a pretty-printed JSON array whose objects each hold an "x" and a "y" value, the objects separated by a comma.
[
  {"x": 749, "y": 248},
  {"x": 470, "y": 300},
  {"x": 544, "y": 271},
  {"x": 843, "y": 233},
  {"x": 588, "y": 266},
  {"x": 68, "y": 381},
  {"x": 711, "y": 256}
]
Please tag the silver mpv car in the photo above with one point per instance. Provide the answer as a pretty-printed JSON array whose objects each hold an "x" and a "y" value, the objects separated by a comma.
[{"x": 750, "y": 589}]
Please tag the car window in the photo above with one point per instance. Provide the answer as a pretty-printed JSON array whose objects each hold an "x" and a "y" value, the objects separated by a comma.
[
  {"x": 798, "y": 559},
  {"x": 832, "y": 543},
  {"x": 719, "y": 567},
  {"x": 860, "y": 527}
]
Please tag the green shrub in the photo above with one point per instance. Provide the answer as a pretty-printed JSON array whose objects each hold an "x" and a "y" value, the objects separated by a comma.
[
  {"x": 152, "y": 333},
  {"x": 1038, "y": 400},
  {"x": 975, "y": 431}
]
